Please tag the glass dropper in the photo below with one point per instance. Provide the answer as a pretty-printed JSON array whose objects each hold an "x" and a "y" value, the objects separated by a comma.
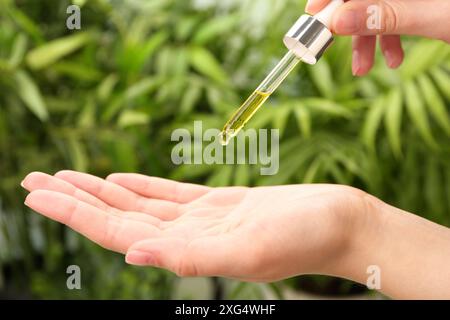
[
  {"x": 306, "y": 41},
  {"x": 258, "y": 97}
]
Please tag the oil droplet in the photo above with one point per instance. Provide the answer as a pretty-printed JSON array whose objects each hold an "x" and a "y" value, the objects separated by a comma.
[{"x": 225, "y": 137}]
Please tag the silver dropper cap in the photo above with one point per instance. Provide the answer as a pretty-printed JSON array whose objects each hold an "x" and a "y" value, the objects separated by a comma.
[{"x": 310, "y": 36}]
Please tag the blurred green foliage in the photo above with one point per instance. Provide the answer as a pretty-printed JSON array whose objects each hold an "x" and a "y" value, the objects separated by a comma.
[{"x": 106, "y": 98}]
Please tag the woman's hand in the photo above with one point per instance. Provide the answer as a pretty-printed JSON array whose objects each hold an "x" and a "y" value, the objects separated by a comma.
[
  {"x": 428, "y": 18},
  {"x": 254, "y": 234}
]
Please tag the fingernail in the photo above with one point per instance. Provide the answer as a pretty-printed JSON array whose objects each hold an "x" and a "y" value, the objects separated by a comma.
[
  {"x": 309, "y": 6},
  {"x": 140, "y": 258},
  {"x": 22, "y": 184},
  {"x": 390, "y": 59},
  {"x": 347, "y": 22},
  {"x": 356, "y": 63}
]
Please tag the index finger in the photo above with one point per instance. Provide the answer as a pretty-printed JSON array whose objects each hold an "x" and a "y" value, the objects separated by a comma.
[{"x": 314, "y": 6}]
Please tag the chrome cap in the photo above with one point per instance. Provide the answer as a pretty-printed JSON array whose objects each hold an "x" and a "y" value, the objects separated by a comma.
[{"x": 308, "y": 39}]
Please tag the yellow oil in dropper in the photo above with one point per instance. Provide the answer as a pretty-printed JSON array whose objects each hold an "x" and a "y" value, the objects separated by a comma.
[
  {"x": 258, "y": 97},
  {"x": 307, "y": 39}
]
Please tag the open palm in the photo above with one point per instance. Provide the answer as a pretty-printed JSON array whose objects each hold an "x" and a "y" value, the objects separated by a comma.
[{"x": 255, "y": 234}]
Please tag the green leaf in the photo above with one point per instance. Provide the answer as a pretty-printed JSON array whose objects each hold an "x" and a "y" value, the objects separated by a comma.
[
  {"x": 303, "y": 120},
  {"x": 336, "y": 172},
  {"x": 417, "y": 62},
  {"x": 433, "y": 188},
  {"x": 263, "y": 117},
  {"x": 281, "y": 117},
  {"x": 435, "y": 103},
  {"x": 181, "y": 63},
  {"x": 143, "y": 86},
  {"x": 124, "y": 156},
  {"x": 214, "y": 96},
  {"x": 340, "y": 59},
  {"x": 290, "y": 163},
  {"x": 386, "y": 77},
  {"x": 215, "y": 28},
  {"x": 30, "y": 95},
  {"x": 321, "y": 75},
  {"x": 393, "y": 120},
  {"x": 18, "y": 51},
  {"x": 221, "y": 176},
  {"x": 79, "y": 3},
  {"x": 77, "y": 153},
  {"x": 327, "y": 107},
  {"x": 134, "y": 55},
  {"x": 106, "y": 87},
  {"x": 368, "y": 88},
  {"x": 130, "y": 118},
  {"x": 372, "y": 122},
  {"x": 55, "y": 50},
  {"x": 26, "y": 24},
  {"x": 185, "y": 172},
  {"x": 190, "y": 98},
  {"x": 206, "y": 64},
  {"x": 153, "y": 43},
  {"x": 164, "y": 61},
  {"x": 242, "y": 175},
  {"x": 417, "y": 112},
  {"x": 77, "y": 71},
  {"x": 442, "y": 80},
  {"x": 86, "y": 118},
  {"x": 312, "y": 171},
  {"x": 184, "y": 28}
]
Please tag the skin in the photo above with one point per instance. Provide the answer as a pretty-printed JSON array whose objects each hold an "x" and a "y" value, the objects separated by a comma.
[
  {"x": 250, "y": 234},
  {"x": 427, "y": 18}
]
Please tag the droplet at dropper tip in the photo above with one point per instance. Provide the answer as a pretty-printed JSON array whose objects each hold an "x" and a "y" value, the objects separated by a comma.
[{"x": 225, "y": 136}]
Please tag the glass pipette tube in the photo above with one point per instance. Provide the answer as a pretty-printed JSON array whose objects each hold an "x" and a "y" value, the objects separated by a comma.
[{"x": 258, "y": 97}]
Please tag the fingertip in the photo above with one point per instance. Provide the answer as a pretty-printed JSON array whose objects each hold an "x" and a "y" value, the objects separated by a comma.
[
  {"x": 36, "y": 197},
  {"x": 24, "y": 182},
  {"x": 314, "y": 6},
  {"x": 64, "y": 173},
  {"x": 362, "y": 69},
  {"x": 140, "y": 258},
  {"x": 114, "y": 176},
  {"x": 361, "y": 73},
  {"x": 32, "y": 179},
  {"x": 393, "y": 60},
  {"x": 29, "y": 176},
  {"x": 391, "y": 47},
  {"x": 363, "y": 54}
]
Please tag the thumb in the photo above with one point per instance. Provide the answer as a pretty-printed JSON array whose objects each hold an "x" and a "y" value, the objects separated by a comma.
[
  {"x": 430, "y": 18},
  {"x": 209, "y": 256}
]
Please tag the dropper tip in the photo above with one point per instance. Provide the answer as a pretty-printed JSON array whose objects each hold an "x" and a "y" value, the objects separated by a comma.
[{"x": 225, "y": 136}]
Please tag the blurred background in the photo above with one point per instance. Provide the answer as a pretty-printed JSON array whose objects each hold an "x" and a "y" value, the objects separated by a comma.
[{"x": 107, "y": 97}]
